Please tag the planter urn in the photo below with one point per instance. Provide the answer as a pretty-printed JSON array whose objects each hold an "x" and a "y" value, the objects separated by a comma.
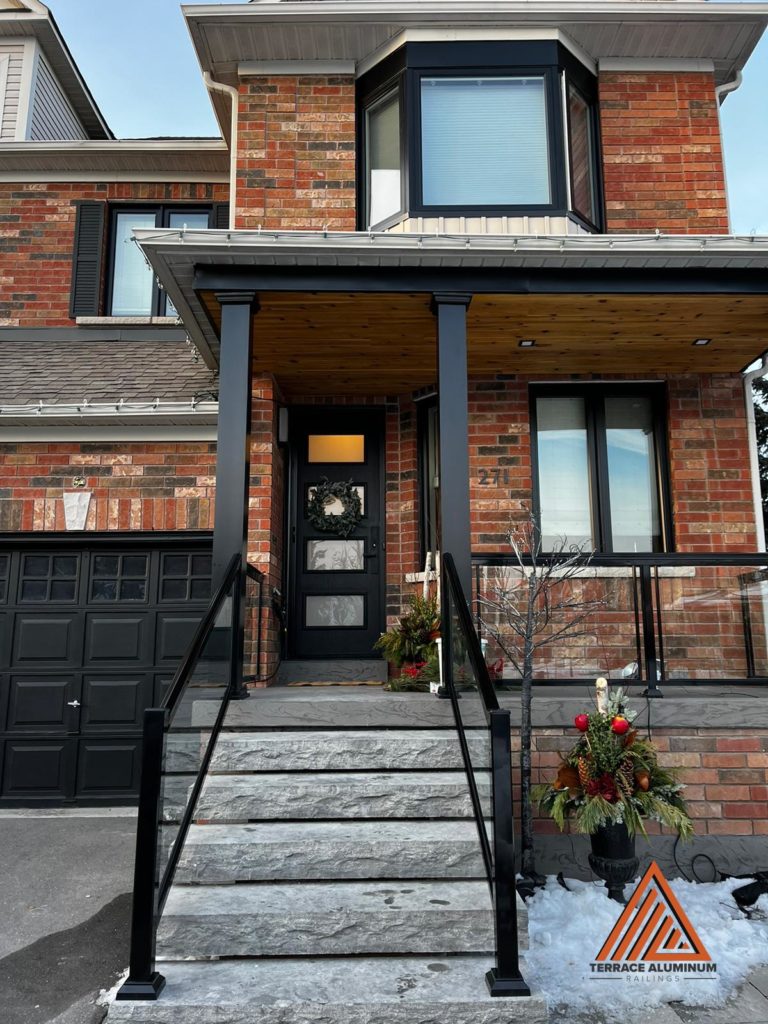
[{"x": 613, "y": 858}]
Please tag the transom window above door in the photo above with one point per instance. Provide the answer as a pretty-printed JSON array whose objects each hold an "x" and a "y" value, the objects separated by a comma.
[{"x": 600, "y": 477}]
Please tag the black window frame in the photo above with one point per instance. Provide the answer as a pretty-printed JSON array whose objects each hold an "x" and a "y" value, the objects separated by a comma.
[
  {"x": 162, "y": 212},
  {"x": 594, "y": 395},
  {"x": 404, "y": 71}
]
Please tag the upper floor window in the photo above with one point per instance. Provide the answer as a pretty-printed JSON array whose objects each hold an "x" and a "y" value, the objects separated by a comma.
[
  {"x": 131, "y": 286},
  {"x": 480, "y": 129}
]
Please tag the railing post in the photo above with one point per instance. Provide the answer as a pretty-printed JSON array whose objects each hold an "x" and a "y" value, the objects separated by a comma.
[
  {"x": 505, "y": 978},
  {"x": 144, "y": 982},
  {"x": 649, "y": 633}
]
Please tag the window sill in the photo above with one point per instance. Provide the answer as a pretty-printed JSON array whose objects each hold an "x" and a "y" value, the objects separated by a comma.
[{"x": 128, "y": 321}]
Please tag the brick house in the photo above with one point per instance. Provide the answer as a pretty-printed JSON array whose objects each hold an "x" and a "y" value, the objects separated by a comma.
[{"x": 469, "y": 257}]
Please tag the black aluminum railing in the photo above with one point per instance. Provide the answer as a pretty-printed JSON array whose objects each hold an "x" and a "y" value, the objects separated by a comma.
[
  {"x": 484, "y": 736},
  {"x": 179, "y": 739},
  {"x": 676, "y": 619}
]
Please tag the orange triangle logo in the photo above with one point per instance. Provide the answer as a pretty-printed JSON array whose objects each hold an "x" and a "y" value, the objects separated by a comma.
[{"x": 653, "y": 927}]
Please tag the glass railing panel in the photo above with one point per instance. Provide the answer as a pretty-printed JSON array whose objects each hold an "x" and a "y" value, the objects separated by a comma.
[
  {"x": 590, "y": 629},
  {"x": 711, "y": 622},
  {"x": 189, "y": 732}
]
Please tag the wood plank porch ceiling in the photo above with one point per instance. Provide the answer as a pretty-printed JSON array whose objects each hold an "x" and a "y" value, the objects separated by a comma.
[{"x": 350, "y": 344}]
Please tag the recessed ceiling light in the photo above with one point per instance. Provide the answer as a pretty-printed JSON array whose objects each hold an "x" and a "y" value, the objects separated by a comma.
[
  {"x": 526, "y": 343},
  {"x": 700, "y": 342}
]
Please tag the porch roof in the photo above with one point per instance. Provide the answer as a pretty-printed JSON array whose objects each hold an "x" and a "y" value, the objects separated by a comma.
[{"x": 352, "y": 310}]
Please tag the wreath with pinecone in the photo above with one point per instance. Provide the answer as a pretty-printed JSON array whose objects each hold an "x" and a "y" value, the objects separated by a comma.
[{"x": 326, "y": 493}]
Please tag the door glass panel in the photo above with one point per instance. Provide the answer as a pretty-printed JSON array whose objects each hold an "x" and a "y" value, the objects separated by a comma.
[
  {"x": 335, "y": 610},
  {"x": 335, "y": 555},
  {"x": 132, "y": 281},
  {"x": 335, "y": 506},
  {"x": 564, "y": 493},
  {"x": 336, "y": 448},
  {"x": 632, "y": 481}
]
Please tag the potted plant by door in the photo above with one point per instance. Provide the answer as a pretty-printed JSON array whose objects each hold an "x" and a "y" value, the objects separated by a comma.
[
  {"x": 608, "y": 785},
  {"x": 410, "y": 646}
]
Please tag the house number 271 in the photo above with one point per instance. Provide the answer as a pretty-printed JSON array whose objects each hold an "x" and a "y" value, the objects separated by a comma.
[{"x": 492, "y": 477}]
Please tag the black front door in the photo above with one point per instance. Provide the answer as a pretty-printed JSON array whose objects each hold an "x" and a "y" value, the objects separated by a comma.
[{"x": 337, "y": 577}]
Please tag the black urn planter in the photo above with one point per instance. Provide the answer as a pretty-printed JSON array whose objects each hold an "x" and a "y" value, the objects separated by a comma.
[{"x": 613, "y": 858}]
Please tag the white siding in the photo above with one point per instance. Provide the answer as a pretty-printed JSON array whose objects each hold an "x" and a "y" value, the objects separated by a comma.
[
  {"x": 14, "y": 51},
  {"x": 52, "y": 115},
  {"x": 487, "y": 226}
]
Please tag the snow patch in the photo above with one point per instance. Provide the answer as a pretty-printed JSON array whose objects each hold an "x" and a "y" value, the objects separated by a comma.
[
  {"x": 107, "y": 996},
  {"x": 567, "y": 929}
]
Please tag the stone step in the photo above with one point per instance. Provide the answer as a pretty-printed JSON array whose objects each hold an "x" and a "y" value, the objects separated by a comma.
[
  {"x": 331, "y": 850},
  {"x": 349, "y": 708},
  {"x": 365, "y": 750},
  {"x": 386, "y": 990},
  {"x": 337, "y": 795},
  {"x": 331, "y": 919}
]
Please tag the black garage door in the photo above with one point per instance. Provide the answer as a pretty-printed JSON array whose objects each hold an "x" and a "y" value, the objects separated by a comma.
[{"x": 90, "y": 635}]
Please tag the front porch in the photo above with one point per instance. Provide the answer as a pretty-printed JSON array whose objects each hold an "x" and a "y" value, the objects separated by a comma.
[{"x": 319, "y": 336}]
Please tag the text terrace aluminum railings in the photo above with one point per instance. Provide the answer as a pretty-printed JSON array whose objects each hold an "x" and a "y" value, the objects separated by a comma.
[
  {"x": 673, "y": 619},
  {"x": 484, "y": 736}
]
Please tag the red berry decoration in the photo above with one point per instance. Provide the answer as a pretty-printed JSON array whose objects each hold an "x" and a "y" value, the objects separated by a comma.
[
  {"x": 581, "y": 722},
  {"x": 620, "y": 725}
]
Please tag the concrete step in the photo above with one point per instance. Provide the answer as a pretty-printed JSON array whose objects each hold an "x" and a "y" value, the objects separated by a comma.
[
  {"x": 386, "y": 990},
  {"x": 334, "y": 671},
  {"x": 331, "y": 919},
  {"x": 347, "y": 708},
  {"x": 339, "y": 795},
  {"x": 365, "y": 750},
  {"x": 331, "y": 850}
]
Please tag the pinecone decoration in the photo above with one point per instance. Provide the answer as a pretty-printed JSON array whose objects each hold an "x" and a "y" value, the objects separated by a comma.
[
  {"x": 625, "y": 777},
  {"x": 584, "y": 772}
]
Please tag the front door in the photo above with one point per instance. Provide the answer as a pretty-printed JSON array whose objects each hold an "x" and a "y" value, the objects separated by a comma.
[{"x": 337, "y": 572}]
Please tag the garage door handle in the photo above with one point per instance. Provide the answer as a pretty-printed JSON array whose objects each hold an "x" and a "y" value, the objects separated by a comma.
[{"x": 73, "y": 703}]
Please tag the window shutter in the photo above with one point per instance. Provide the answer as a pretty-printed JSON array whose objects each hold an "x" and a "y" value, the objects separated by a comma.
[
  {"x": 221, "y": 215},
  {"x": 86, "y": 260}
]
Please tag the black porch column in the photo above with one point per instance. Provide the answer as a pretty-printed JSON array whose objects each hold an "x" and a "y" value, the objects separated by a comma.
[
  {"x": 451, "y": 312},
  {"x": 233, "y": 453}
]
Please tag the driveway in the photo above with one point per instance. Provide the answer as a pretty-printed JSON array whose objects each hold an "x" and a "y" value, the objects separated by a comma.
[{"x": 65, "y": 892}]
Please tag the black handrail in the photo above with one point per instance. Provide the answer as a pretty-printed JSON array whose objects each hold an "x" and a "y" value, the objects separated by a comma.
[
  {"x": 150, "y": 888},
  {"x": 505, "y": 978}
]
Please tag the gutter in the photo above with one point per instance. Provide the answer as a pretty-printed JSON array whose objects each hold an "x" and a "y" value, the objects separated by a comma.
[
  {"x": 754, "y": 461},
  {"x": 721, "y": 91},
  {"x": 234, "y": 97}
]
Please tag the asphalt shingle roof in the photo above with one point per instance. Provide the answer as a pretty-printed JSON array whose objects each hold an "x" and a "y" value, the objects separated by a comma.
[{"x": 59, "y": 371}]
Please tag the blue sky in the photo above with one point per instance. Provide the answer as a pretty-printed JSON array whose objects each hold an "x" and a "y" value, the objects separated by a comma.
[{"x": 138, "y": 60}]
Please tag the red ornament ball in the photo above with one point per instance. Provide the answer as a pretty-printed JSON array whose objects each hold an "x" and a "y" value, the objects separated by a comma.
[
  {"x": 620, "y": 725},
  {"x": 581, "y": 722}
]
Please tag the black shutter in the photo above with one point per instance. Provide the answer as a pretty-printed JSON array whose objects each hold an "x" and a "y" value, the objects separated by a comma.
[
  {"x": 221, "y": 215},
  {"x": 86, "y": 260}
]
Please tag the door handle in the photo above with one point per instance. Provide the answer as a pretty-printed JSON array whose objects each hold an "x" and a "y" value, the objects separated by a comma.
[{"x": 73, "y": 703}]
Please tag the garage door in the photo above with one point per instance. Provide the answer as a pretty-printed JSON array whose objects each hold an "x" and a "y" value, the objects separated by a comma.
[{"x": 89, "y": 637}]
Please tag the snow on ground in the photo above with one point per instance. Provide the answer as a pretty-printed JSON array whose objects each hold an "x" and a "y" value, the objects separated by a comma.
[{"x": 567, "y": 930}]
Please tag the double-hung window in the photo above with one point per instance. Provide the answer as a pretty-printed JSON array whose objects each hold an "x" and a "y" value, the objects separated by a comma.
[
  {"x": 599, "y": 467},
  {"x": 131, "y": 286}
]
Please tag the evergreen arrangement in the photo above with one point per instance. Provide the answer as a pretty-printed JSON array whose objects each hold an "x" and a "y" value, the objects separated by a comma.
[
  {"x": 412, "y": 640},
  {"x": 613, "y": 776}
]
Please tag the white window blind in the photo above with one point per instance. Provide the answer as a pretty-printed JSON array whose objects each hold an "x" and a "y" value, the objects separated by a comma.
[{"x": 484, "y": 142}]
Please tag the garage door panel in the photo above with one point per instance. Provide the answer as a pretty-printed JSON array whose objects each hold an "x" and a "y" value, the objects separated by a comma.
[
  {"x": 55, "y": 637},
  {"x": 44, "y": 703},
  {"x": 108, "y": 768},
  {"x": 118, "y": 638},
  {"x": 39, "y": 770},
  {"x": 114, "y": 703},
  {"x": 174, "y": 635}
]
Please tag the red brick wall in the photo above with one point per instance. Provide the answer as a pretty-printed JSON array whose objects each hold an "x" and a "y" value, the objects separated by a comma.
[
  {"x": 37, "y": 223},
  {"x": 296, "y": 153},
  {"x": 725, "y": 775},
  {"x": 162, "y": 485},
  {"x": 662, "y": 154}
]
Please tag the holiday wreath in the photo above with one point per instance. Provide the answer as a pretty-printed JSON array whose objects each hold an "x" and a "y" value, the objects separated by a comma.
[{"x": 324, "y": 494}]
